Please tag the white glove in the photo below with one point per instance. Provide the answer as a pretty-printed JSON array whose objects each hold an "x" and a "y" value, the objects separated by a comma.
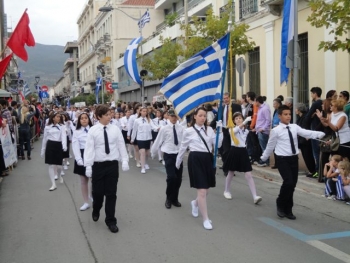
[
  {"x": 125, "y": 166},
  {"x": 321, "y": 135},
  {"x": 152, "y": 155},
  {"x": 219, "y": 124},
  {"x": 248, "y": 119},
  {"x": 80, "y": 162},
  {"x": 64, "y": 149},
  {"x": 88, "y": 171},
  {"x": 42, "y": 153},
  {"x": 178, "y": 164}
]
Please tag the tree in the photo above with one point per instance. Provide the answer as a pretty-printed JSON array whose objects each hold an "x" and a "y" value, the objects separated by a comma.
[
  {"x": 335, "y": 15},
  {"x": 199, "y": 34}
]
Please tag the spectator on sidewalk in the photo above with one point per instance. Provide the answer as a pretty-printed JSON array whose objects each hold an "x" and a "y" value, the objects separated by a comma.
[
  {"x": 27, "y": 112},
  {"x": 345, "y": 96}
]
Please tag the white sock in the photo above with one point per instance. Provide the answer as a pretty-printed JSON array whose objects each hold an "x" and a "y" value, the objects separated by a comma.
[
  {"x": 52, "y": 174},
  {"x": 250, "y": 180},
  {"x": 59, "y": 169},
  {"x": 228, "y": 181}
]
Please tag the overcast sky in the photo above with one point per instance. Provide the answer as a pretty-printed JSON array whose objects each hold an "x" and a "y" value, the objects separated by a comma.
[{"x": 53, "y": 22}]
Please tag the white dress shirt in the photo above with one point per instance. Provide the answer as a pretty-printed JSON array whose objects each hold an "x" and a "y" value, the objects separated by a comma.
[
  {"x": 157, "y": 122},
  {"x": 241, "y": 135},
  {"x": 95, "y": 145},
  {"x": 132, "y": 118},
  {"x": 165, "y": 139},
  {"x": 191, "y": 139},
  {"x": 68, "y": 129},
  {"x": 280, "y": 142},
  {"x": 142, "y": 129},
  {"x": 124, "y": 123},
  {"x": 79, "y": 141},
  {"x": 56, "y": 133},
  {"x": 224, "y": 120},
  {"x": 116, "y": 122}
]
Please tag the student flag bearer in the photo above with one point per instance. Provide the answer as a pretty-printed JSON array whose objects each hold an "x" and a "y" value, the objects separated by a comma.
[
  {"x": 104, "y": 148},
  {"x": 168, "y": 140},
  {"x": 284, "y": 140}
]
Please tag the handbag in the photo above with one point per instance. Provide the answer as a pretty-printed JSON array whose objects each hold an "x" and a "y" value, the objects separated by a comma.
[
  {"x": 330, "y": 143},
  {"x": 206, "y": 145}
]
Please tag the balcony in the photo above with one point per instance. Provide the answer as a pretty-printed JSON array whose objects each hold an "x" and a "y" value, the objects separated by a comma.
[
  {"x": 85, "y": 57},
  {"x": 274, "y": 6},
  {"x": 247, "y": 8},
  {"x": 70, "y": 46},
  {"x": 107, "y": 40}
]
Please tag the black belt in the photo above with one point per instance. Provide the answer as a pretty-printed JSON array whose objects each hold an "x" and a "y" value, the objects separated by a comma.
[
  {"x": 287, "y": 157},
  {"x": 106, "y": 162}
]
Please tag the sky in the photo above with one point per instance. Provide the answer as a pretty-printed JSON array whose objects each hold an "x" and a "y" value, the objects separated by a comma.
[{"x": 53, "y": 22}]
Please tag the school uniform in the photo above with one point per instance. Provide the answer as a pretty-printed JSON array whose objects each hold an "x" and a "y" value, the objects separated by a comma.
[
  {"x": 124, "y": 124},
  {"x": 142, "y": 132},
  {"x": 104, "y": 148},
  {"x": 200, "y": 161},
  {"x": 55, "y": 140},
  {"x": 116, "y": 122},
  {"x": 132, "y": 119},
  {"x": 159, "y": 123},
  {"x": 69, "y": 138},
  {"x": 237, "y": 157},
  {"x": 169, "y": 142},
  {"x": 78, "y": 145},
  {"x": 284, "y": 140}
]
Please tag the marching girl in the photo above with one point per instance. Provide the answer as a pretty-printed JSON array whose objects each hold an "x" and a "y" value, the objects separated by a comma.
[
  {"x": 141, "y": 132},
  {"x": 78, "y": 145},
  {"x": 158, "y": 121},
  {"x": 238, "y": 158},
  {"x": 132, "y": 119},
  {"x": 124, "y": 124},
  {"x": 67, "y": 123},
  {"x": 116, "y": 120},
  {"x": 165, "y": 118},
  {"x": 53, "y": 146},
  {"x": 200, "y": 139}
]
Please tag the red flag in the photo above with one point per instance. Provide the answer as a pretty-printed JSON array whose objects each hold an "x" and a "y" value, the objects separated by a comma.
[
  {"x": 109, "y": 87},
  {"x": 3, "y": 65},
  {"x": 21, "y": 36}
]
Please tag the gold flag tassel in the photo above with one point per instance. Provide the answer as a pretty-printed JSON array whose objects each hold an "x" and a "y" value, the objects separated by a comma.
[{"x": 230, "y": 126}]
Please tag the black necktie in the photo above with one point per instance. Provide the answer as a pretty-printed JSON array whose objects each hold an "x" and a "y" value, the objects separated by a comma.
[
  {"x": 176, "y": 142},
  {"x": 56, "y": 127},
  {"x": 143, "y": 121},
  {"x": 291, "y": 140},
  {"x": 204, "y": 130},
  {"x": 106, "y": 140},
  {"x": 226, "y": 114},
  {"x": 85, "y": 130}
]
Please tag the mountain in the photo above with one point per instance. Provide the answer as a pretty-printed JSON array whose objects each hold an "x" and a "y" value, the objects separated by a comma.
[{"x": 46, "y": 61}]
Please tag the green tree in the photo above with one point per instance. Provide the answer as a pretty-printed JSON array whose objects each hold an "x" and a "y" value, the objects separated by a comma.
[{"x": 334, "y": 15}]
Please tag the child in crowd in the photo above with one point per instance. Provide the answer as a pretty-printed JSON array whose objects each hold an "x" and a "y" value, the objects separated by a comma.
[
  {"x": 330, "y": 172},
  {"x": 237, "y": 158},
  {"x": 344, "y": 170}
]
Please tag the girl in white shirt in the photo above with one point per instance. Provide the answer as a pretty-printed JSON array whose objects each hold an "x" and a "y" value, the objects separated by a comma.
[
  {"x": 132, "y": 119},
  {"x": 238, "y": 158},
  {"x": 158, "y": 121},
  {"x": 142, "y": 133},
  {"x": 53, "y": 145},
  {"x": 78, "y": 145},
  {"x": 200, "y": 161},
  {"x": 124, "y": 124},
  {"x": 66, "y": 155}
]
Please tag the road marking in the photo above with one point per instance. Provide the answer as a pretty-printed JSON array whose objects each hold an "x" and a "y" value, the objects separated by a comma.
[{"x": 312, "y": 240}]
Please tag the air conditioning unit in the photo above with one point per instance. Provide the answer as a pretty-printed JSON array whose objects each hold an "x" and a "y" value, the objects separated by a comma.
[{"x": 86, "y": 89}]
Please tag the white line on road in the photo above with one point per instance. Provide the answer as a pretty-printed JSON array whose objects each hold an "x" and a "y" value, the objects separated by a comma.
[{"x": 330, "y": 250}]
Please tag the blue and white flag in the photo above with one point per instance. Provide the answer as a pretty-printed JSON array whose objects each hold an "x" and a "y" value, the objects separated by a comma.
[
  {"x": 146, "y": 18},
  {"x": 26, "y": 90},
  {"x": 19, "y": 75},
  {"x": 286, "y": 36},
  {"x": 68, "y": 103},
  {"x": 98, "y": 87},
  {"x": 130, "y": 62},
  {"x": 197, "y": 80},
  {"x": 14, "y": 89}
]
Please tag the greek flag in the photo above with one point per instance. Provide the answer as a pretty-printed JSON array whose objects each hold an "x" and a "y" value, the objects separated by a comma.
[
  {"x": 287, "y": 35},
  {"x": 26, "y": 90},
  {"x": 197, "y": 80},
  {"x": 98, "y": 87},
  {"x": 146, "y": 18},
  {"x": 130, "y": 62}
]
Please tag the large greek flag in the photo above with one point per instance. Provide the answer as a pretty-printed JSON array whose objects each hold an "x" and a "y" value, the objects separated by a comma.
[
  {"x": 146, "y": 18},
  {"x": 26, "y": 90},
  {"x": 286, "y": 36},
  {"x": 197, "y": 80},
  {"x": 130, "y": 62}
]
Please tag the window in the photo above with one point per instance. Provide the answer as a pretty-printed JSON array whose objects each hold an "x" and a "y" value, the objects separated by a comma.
[
  {"x": 254, "y": 70},
  {"x": 247, "y": 7}
]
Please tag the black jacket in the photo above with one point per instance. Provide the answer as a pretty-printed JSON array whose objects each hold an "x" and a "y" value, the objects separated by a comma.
[{"x": 234, "y": 108}]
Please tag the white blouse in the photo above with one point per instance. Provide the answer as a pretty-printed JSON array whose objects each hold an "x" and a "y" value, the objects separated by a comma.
[
  {"x": 241, "y": 135},
  {"x": 55, "y": 133},
  {"x": 79, "y": 141},
  {"x": 124, "y": 123},
  {"x": 142, "y": 129}
]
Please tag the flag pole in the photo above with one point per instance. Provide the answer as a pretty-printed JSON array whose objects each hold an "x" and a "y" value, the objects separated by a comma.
[
  {"x": 295, "y": 62},
  {"x": 222, "y": 91}
]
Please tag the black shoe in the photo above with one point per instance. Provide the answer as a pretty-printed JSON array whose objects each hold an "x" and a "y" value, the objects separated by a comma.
[
  {"x": 176, "y": 203},
  {"x": 291, "y": 216},
  {"x": 309, "y": 175},
  {"x": 113, "y": 228},
  {"x": 280, "y": 213},
  {"x": 274, "y": 167},
  {"x": 167, "y": 204},
  {"x": 95, "y": 217}
]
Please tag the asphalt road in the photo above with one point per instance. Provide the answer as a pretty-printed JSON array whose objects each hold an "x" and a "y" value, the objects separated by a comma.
[{"x": 38, "y": 226}]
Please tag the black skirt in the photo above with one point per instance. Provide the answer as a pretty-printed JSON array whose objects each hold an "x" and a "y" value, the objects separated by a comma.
[
  {"x": 200, "y": 170},
  {"x": 77, "y": 168},
  {"x": 125, "y": 136},
  {"x": 66, "y": 153},
  {"x": 135, "y": 141},
  {"x": 53, "y": 153},
  {"x": 154, "y": 135},
  {"x": 237, "y": 160},
  {"x": 144, "y": 144}
]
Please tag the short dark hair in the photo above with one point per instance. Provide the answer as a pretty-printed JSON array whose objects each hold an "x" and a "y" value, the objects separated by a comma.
[
  {"x": 13, "y": 103},
  {"x": 4, "y": 103},
  {"x": 282, "y": 108},
  {"x": 251, "y": 95},
  {"x": 280, "y": 97},
  {"x": 316, "y": 90},
  {"x": 345, "y": 94},
  {"x": 101, "y": 110},
  {"x": 260, "y": 99}
]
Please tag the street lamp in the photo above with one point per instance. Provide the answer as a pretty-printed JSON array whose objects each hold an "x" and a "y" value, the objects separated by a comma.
[
  {"x": 37, "y": 79},
  {"x": 106, "y": 9}
]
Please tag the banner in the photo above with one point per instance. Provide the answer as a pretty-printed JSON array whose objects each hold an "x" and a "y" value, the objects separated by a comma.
[{"x": 9, "y": 148}]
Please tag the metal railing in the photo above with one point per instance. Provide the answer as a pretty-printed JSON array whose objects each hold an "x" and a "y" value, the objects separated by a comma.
[{"x": 247, "y": 7}]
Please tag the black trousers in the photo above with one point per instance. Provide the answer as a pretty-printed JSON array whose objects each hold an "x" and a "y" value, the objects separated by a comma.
[
  {"x": 174, "y": 177},
  {"x": 253, "y": 146},
  {"x": 288, "y": 168},
  {"x": 226, "y": 145},
  {"x": 104, "y": 183},
  {"x": 306, "y": 151},
  {"x": 24, "y": 137}
]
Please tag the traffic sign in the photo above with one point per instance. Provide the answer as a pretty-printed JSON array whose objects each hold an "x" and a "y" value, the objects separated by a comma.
[
  {"x": 115, "y": 85},
  {"x": 44, "y": 88}
]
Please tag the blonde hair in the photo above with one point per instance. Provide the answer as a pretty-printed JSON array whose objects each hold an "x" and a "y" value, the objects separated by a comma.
[
  {"x": 345, "y": 165},
  {"x": 337, "y": 158},
  {"x": 24, "y": 114}
]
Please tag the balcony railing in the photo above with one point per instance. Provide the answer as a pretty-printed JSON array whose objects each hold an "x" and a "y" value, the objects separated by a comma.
[{"x": 247, "y": 8}]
